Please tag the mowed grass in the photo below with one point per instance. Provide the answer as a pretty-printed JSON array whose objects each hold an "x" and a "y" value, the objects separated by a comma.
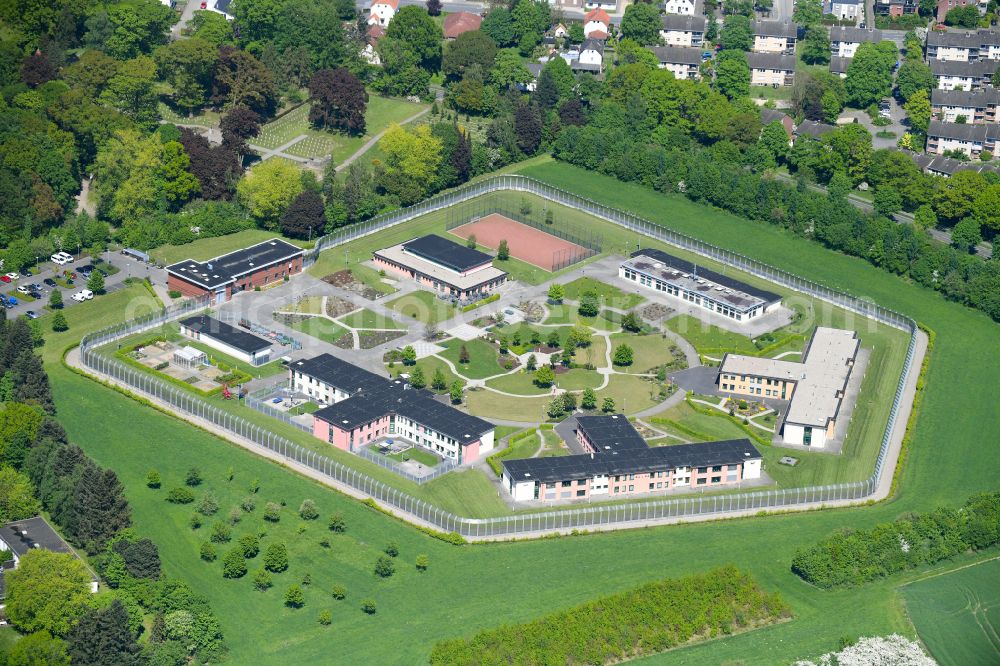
[
  {"x": 320, "y": 328},
  {"x": 567, "y": 314},
  {"x": 611, "y": 296},
  {"x": 957, "y": 614},
  {"x": 209, "y": 248},
  {"x": 691, "y": 426},
  {"x": 423, "y": 306},
  {"x": 366, "y": 318},
  {"x": 482, "y": 358},
  {"x": 707, "y": 338},
  {"x": 429, "y": 365},
  {"x": 649, "y": 351}
]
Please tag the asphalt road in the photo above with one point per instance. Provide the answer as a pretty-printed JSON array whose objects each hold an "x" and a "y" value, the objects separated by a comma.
[{"x": 782, "y": 9}]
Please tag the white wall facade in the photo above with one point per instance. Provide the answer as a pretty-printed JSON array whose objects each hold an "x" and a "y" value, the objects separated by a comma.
[
  {"x": 751, "y": 469},
  {"x": 970, "y": 148},
  {"x": 595, "y": 26},
  {"x": 380, "y": 14},
  {"x": 591, "y": 57},
  {"x": 766, "y": 44},
  {"x": 953, "y": 53},
  {"x": 846, "y": 49},
  {"x": 954, "y": 82},
  {"x": 680, "y": 71},
  {"x": 950, "y": 114},
  {"x": 680, "y": 38},
  {"x": 682, "y": 7},
  {"x": 768, "y": 77}
]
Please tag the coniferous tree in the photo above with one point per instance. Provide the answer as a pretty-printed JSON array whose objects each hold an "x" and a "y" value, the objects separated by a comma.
[
  {"x": 100, "y": 509},
  {"x": 461, "y": 157},
  {"x": 102, "y": 638},
  {"x": 31, "y": 384}
]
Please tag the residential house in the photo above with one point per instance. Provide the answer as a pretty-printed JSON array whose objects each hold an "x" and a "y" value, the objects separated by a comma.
[
  {"x": 560, "y": 31},
  {"x": 845, "y": 10},
  {"x": 458, "y": 22},
  {"x": 896, "y": 8},
  {"x": 591, "y": 54},
  {"x": 946, "y": 167},
  {"x": 20, "y": 537},
  {"x": 596, "y": 24},
  {"x": 768, "y": 116},
  {"x": 958, "y": 75},
  {"x": 535, "y": 69},
  {"x": 971, "y": 140},
  {"x": 973, "y": 107},
  {"x": 217, "y": 6},
  {"x": 382, "y": 11},
  {"x": 372, "y": 36},
  {"x": 610, "y": 5},
  {"x": 844, "y": 41},
  {"x": 944, "y": 6},
  {"x": 771, "y": 69},
  {"x": 839, "y": 66},
  {"x": 683, "y": 61},
  {"x": 774, "y": 36},
  {"x": 812, "y": 129},
  {"x": 681, "y": 30},
  {"x": 683, "y": 7},
  {"x": 963, "y": 45}
]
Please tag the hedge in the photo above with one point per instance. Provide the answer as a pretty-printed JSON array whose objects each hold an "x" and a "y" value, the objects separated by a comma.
[
  {"x": 494, "y": 460},
  {"x": 852, "y": 557},
  {"x": 638, "y": 622},
  {"x": 493, "y": 298}
]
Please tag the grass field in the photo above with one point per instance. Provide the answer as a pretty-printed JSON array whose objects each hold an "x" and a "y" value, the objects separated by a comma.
[
  {"x": 649, "y": 351},
  {"x": 209, "y": 248},
  {"x": 416, "y": 453},
  {"x": 423, "y": 306},
  {"x": 708, "y": 338},
  {"x": 365, "y": 318},
  {"x": 611, "y": 295},
  {"x": 567, "y": 314},
  {"x": 319, "y": 327},
  {"x": 957, "y": 614},
  {"x": 429, "y": 365},
  {"x": 482, "y": 358},
  {"x": 415, "y": 611}
]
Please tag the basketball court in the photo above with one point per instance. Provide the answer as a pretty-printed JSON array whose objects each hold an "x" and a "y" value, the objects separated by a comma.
[{"x": 526, "y": 243}]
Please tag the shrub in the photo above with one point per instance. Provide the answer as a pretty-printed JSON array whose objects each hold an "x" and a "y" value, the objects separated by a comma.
[
  {"x": 248, "y": 505},
  {"x": 391, "y": 549},
  {"x": 325, "y": 617},
  {"x": 324, "y": 543},
  {"x": 233, "y": 564},
  {"x": 276, "y": 557},
  {"x": 294, "y": 598},
  {"x": 337, "y": 523},
  {"x": 422, "y": 562},
  {"x": 368, "y": 606},
  {"x": 180, "y": 496},
  {"x": 262, "y": 579},
  {"x": 162, "y": 366},
  {"x": 194, "y": 521},
  {"x": 308, "y": 511},
  {"x": 59, "y": 323},
  {"x": 384, "y": 567},
  {"x": 193, "y": 477},
  {"x": 235, "y": 516},
  {"x": 272, "y": 512},
  {"x": 208, "y": 505},
  {"x": 249, "y": 545},
  {"x": 338, "y": 592},
  {"x": 207, "y": 552},
  {"x": 254, "y": 486},
  {"x": 173, "y": 293},
  {"x": 221, "y": 532},
  {"x": 152, "y": 479}
]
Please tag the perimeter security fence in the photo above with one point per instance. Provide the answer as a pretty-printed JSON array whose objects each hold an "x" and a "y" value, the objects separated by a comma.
[{"x": 619, "y": 515}]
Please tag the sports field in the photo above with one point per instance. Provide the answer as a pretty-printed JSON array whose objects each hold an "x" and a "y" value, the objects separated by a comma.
[
  {"x": 526, "y": 243},
  {"x": 957, "y": 614}
]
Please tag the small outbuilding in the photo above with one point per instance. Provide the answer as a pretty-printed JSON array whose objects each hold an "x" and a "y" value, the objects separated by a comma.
[{"x": 188, "y": 357}]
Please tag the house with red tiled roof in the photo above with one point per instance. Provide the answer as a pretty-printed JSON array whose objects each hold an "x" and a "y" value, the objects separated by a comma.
[
  {"x": 369, "y": 54},
  {"x": 382, "y": 11},
  {"x": 596, "y": 24},
  {"x": 459, "y": 22}
]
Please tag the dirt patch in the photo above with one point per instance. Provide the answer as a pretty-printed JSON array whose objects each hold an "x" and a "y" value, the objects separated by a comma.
[
  {"x": 346, "y": 280},
  {"x": 346, "y": 341},
  {"x": 503, "y": 362},
  {"x": 370, "y": 339},
  {"x": 338, "y": 307},
  {"x": 655, "y": 312},
  {"x": 533, "y": 312}
]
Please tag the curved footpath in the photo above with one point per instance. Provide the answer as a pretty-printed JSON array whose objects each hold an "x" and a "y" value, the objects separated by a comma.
[{"x": 881, "y": 492}]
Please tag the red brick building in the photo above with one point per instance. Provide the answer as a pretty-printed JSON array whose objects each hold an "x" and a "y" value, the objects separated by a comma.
[{"x": 257, "y": 266}]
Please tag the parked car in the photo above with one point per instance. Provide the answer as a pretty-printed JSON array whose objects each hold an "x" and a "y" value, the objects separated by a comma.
[
  {"x": 4, "y": 278},
  {"x": 31, "y": 314},
  {"x": 36, "y": 286},
  {"x": 24, "y": 289},
  {"x": 27, "y": 274},
  {"x": 35, "y": 294},
  {"x": 49, "y": 282},
  {"x": 11, "y": 277},
  {"x": 83, "y": 295},
  {"x": 11, "y": 302},
  {"x": 61, "y": 258}
]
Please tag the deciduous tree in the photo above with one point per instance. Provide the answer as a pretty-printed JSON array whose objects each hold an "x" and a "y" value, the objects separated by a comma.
[
  {"x": 268, "y": 189},
  {"x": 339, "y": 101},
  {"x": 470, "y": 48},
  {"x": 641, "y": 23},
  {"x": 47, "y": 591},
  {"x": 415, "y": 28},
  {"x": 304, "y": 217}
]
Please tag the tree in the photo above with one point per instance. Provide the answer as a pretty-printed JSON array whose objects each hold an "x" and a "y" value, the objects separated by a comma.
[
  {"x": 589, "y": 399},
  {"x": 241, "y": 80},
  {"x": 552, "y": 341},
  {"x": 925, "y": 217},
  {"x": 422, "y": 562},
  {"x": 455, "y": 393},
  {"x": 438, "y": 381},
  {"x": 531, "y": 364},
  {"x": 918, "y": 110},
  {"x": 37, "y": 69},
  {"x": 304, "y": 216},
  {"x": 276, "y": 557},
  {"x": 272, "y": 512},
  {"x": 641, "y": 22},
  {"x": 470, "y": 242},
  {"x": 233, "y": 564},
  {"x": 59, "y": 323},
  {"x": 732, "y": 74},
  {"x": 808, "y": 13},
  {"x": 308, "y": 510},
  {"x": 545, "y": 376},
  {"x": 470, "y": 48},
  {"x": 555, "y": 83},
  {"x": 409, "y": 355},
  {"x": 415, "y": 28},
  {"x": 95, "y": 282},
  {"x": 434, "y": 8},
  {"x": 384, "y": 567},
  {"x": 816, "y": 46},
  {"x": 914, "y": 75},
  {"x": 103, "y": 636},
  {"x": 608, "y": 406},
  {"x": 294, "y": 598},
  {"x": 268, "y": 189},
  {"x": 38, "y": 649},
  {"x": 132, "y": 91},
  {"x": 391, "y": 549},
  {"x": 737, "y": 33},
  {"x": 55, "y": 300},
  {"x": 417, "y": 378},
  {"x": 207, "y": 551},
  {"x": 967, "y": 234},
  {"x": 100, "y": 509},
  {"x": 528, "y": 126},
  {"x": 137, "y": 28},
  {"x": 590, "y": 304},
  {"x": 623, "y": 355},
  {"x": 187, "y": 64},
  {"x": 47, "y": 591},
  {"x": 631, "y": 322},
  {"x": 508, "y": 70},
  {"x": 339, "y": 101},
  {"x": 368, "y": 606},
  {"x": 152, "y": 479},
  {"x": 238, "y": 126},
  {"x": 869, "y": 76},
  {"x": 411, "y": 161},
  {"x": 262, "y": 580},
  {"x": 499, "y": 25},
  {"x": 965, "y": 16},
  {"x": 193, "y": 477},
  {"x": 556, "y": 293},
  {"x": 17, "y": 495},
  {"x": 887, "y": 201},
  {"x": 503, "y": 252}
]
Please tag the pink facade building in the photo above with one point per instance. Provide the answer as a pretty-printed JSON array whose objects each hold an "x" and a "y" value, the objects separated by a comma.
[
  {"x": 443, "y": 266},
  {"x": 619, "y": 463}
]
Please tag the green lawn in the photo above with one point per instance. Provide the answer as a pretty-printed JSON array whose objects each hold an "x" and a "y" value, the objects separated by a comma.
[
  {"x": 372, "y": 278},
  {"x": 577, "y": 379},
  {"x": 209, "y": 248},
  {"x": 423, "y": 306},
  {"x": 631, "y": 394},
  {"x": 429, "y": 365},
  {"x": 416, "y": 453},
  {"x": 521, "y": 383},
  {"x": 649, "y": 351},
  {"x": 367, "y": 319},
  {"x": 610, "y": 295},
  {"x": 482, "y": 358},
  {"x": 508, "y": 408},
  {"x": 320, "y": 327},
  {"x": 692, "y": 426},
  {"x": 414, "y": 610},
  {"x": 706, "y": 338},
  {"x": 567, "y": 314},
  {"x": 957, "y": 614}
]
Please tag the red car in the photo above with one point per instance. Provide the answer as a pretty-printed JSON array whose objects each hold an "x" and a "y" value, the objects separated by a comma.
[{"x": 4, "y": 278}]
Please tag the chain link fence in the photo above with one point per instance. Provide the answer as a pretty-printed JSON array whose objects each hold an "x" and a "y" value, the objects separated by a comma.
[{"x": 623, "y": 514}]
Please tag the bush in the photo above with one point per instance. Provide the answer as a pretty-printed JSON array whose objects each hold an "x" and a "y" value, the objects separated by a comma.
[
  {"x": 59, "y": 323},
  {"x": 152, "y": 479},
  {"x": 294, "y": 598},
  {"x": 337, "y": 523},
  {"x": 325, "y": 617},
  {"x": 180, "y": 496},
  {"x": 392, "y": 549},
  {"x": 422, "y": 562},
  {"x": 173, "y": 293},
  {"x": 249, "y": 545},
  {"x": 338, "y": 592},
  {"x": 193, "y": 477},
  {"x": 221, "y": 532},
  {"x": 276, "y": 558},
  {"x": 262, "y": 579},
  {"x": 384, "y": 567},
  {"x": 207, "y": 552},
  {"x": 248, "y": 505},
  {"x": 235, "y": 516},
  {"x": 208, "y": 506},
  {"x": 368, "y": 606},
  {"x": 272, "y": 512},
  {"x": 233, "y": 564},
  {"x": 308, "y": 511},
  {"x": 195, "y": 521}
]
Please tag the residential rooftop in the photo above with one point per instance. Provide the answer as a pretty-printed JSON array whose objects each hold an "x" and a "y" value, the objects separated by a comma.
[
  {"x": 611, "y": 433},
  {"x": 964, "y": 131},
  {"x": 813, "y": 128},
  {"x": 683, "y": 23},
  {"x": 227, "y": 268},
  {"x": 678, "y": 55},
  {"x": 776, "y": 61},
  {"x": 843, "y": 33},
  {"x": 774, "y": 28},
  {"x": 219, "y": 330},
  {"x": 966, "y": 98}
]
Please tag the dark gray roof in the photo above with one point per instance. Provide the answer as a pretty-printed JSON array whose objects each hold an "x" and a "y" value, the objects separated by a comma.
[
  {"x": 447, "y": 253},
  {"x": 683, "y": 22},
  {"x": 813, "y": 129},
  {"x": 839, "y": 64},
  {"x": 631, "y": 461},
  {"x": 396, "y": 397},
  {"x": 677, "y": 55},
  {"x": 535, "y": 68},
  {"x": 839, "y": 33},
  {"x": 610, "y": 432},
  {"x": 223, "y": 6},
  {"x": 777, "y": 61},
  {"x": 979, "y": 99},
  {"x": 847, "y": 2},
  {"x": 767, "y": 28},
  {"x": 338, "y": 373},
  {"x": 963, "y": 131},
  {"x": 975, "y": 69},
  {"x": 578, "y": 66},
  {"x": 954, "y": 38},
  {"x": 223, "y": 332},
  {"x": 947, "y": 166},
  {"x": 592, "y": 45},
  {"x": 22, "y": 536},
  {"x": 768, "y": 116},
  {"x": 701, "y": 271},
  {"x": 989, "y": 38},
  {"x": 227, "y": 268}
]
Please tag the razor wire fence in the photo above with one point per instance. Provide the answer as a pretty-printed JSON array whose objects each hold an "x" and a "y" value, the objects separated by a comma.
[{"x": 624, "y": 514}]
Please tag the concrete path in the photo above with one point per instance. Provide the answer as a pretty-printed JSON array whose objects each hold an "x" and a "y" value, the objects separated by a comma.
[
  {"x": 375, "y": 139},
  {"x": 266, "y": 153},
  {"x": 83, "y": 201}
]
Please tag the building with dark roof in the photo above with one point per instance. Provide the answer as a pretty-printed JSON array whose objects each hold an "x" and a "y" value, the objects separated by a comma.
[
  {"x": 963, "y": 45},
  {"x": 328, "y": 379},
  {"x": 619, "y": 463},
  {"x": 392, "y": 409},
  {"x": 845, "y": 10},
  {"x": 839, "y": 66},
  {"x": 971, "y": 140},
  {"x": 958, "y": 75},
  {"x": 679, "y": 30},
  {"x": 443, "y": 265},
  {"x": 770, "y": 36},
  {"x": 697, "y": 285},
  {"x": 768, "y": 116},
  {"x": 682, "y": 61},
  {"x": 974, "y": 107},
  {"x": 228, "y": 274},
  {"x": 946, "y": 167},
  {"x": 845, "y": 40},
  {"x": 235, "y": 342},
  {"x": 813, "y": 129},
  {"x": 20, "y": 537},
  {"x": 771, "y": 69}
]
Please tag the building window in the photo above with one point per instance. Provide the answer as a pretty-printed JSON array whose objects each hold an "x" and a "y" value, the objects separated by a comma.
[
  {"x": 567, "y": 484},
  {"x": 716, "y": 479},
  {"x": 581, "y": 493},
  {"x": 701, "y": 482},
  {"x": 631, "y": 488}
]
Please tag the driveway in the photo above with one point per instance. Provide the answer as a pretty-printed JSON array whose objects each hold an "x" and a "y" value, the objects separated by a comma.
[{"x": 896, "y": 114}]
